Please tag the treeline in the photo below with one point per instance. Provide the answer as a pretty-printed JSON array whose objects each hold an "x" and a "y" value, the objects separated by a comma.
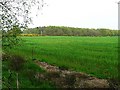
[{"x": 70, "y": 31}]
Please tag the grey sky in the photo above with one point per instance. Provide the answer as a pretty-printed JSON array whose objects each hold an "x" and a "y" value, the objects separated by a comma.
[{"x": 78, "y": 13}]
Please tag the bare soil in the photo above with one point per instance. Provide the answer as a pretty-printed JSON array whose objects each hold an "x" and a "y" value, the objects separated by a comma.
[{"x": 71, "y": 79}]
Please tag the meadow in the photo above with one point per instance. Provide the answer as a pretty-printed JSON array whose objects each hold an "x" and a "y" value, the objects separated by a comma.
[{"x": 96, "y": 56}]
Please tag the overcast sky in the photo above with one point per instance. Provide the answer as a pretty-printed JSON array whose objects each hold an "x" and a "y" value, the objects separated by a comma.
[{"x": 78, "y": 13}]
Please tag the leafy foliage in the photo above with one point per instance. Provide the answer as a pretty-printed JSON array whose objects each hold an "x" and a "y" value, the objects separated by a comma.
[
  {"x": 12, "y": 11},
  {"x": 9, "y": 38}
]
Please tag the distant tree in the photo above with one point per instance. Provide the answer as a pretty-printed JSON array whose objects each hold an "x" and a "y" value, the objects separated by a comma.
[{"x": 70, "y": 31}]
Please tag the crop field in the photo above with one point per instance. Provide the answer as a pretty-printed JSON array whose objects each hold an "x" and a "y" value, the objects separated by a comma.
[{"x": 97, "y": 56}]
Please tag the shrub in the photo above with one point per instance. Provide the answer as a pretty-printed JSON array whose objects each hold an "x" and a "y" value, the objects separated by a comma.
[{"x": 16, "y": 62}]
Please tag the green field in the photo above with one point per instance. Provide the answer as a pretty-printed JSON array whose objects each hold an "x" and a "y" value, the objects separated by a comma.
[{"x": 97, "y": 56}]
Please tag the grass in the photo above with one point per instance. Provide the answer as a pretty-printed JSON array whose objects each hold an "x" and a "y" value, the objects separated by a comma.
[{"x": 97, "y": 56}]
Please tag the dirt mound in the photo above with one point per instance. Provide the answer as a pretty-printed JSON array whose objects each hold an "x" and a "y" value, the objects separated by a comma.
[{"x": 71, "y": 79}]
